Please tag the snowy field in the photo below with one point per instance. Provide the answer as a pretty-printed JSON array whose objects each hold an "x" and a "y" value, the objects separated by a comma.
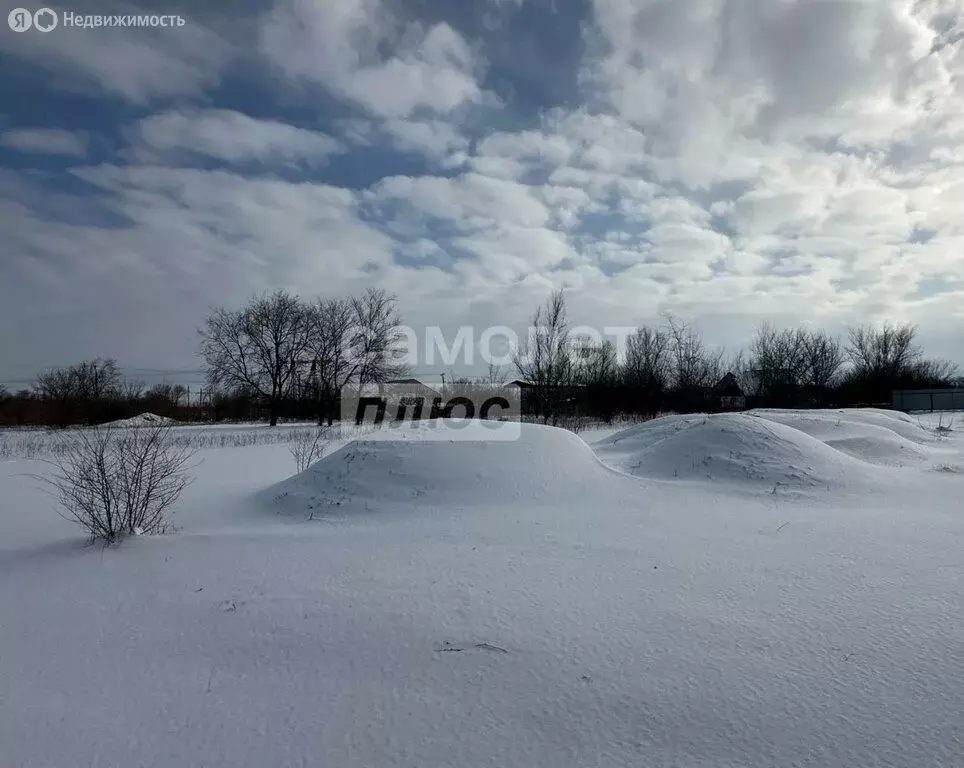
[{"x": 772, "y": 588}]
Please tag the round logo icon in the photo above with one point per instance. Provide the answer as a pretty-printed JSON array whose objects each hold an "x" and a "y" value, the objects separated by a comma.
[
  {"x": 20, "y": 19},
  {"x": 45, "y": 20}
]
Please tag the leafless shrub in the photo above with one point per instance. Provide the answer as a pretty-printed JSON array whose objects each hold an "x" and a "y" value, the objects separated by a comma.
[
  {"x": 942, "y": 429},
  {"x": 308, "y": 447},
  {"x": 115, "y": 481}
]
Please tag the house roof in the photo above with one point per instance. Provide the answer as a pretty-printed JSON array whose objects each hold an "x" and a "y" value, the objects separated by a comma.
[{"x": 411, "y": 386}]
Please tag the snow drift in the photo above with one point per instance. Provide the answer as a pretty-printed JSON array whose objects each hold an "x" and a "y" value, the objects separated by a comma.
[
  {"x": 417, "y": 464},
  {"x": 737, "y": 449},
  {"x": 879, "y": 437}
]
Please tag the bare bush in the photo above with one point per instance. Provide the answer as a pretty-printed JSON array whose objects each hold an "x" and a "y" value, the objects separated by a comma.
[
  {"x": 115, "y": 481},
  {"x": 308, "y": 447},
  {"x": 942, "y": 429}
]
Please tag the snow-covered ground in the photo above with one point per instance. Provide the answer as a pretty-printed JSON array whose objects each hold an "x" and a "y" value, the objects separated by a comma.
[
  {"x": 38, "y": 443},
  {"x": 776, "y": 588}
]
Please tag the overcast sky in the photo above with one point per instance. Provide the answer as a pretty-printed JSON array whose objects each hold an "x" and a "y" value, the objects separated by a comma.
[{"x": 727, "y": 160}]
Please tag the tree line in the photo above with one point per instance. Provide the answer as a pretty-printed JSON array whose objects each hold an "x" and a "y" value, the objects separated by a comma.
[
  {"x": 278, "y": 355},
  {"x": 90, "y": 392},
  {"x": 281, "y": 349},
  {"x": 283, "y": 356},
  {"x": 669, "y": 367}
]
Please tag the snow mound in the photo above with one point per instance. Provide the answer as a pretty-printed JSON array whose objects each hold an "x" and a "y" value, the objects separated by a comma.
[
  {"x": 141, "y": 420},
  {"x": 541, "y": 465},
  {"x": 730, "y": 448},
  {"x": 871, "y": 435}
]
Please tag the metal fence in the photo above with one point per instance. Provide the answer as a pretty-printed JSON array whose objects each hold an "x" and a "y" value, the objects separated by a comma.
[{"x": 929, "y": 400}]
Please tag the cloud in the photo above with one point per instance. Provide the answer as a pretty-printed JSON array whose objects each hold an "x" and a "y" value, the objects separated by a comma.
[
  {"x": 470, "y": 202},
  {"x": 140, "y": 65},
  {"x": 48, "y": 141},
  {"x": 339, "y": 46},
  {"x": 729, "y": 162},
  {"x": 707, "y": 78},
  {"x": 434, "y": 139},
  {"x": 231, "y": 137},
  {"x": 179, "y": 241}
]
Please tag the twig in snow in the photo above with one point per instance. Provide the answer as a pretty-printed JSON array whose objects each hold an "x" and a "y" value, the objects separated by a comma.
[{"x": 489, "y": 647}]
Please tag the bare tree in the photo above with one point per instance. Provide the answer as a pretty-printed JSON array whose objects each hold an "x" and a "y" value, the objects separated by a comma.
[
  {"x": 164, "y": 399},
  {"x": 258, "y": 348},
  {"x": 113, "y": 481},
  {"x": 169, "y": 394},
  {"x": 646, "y": 366},
  {"x": 778, "y": 360},
  {"x": 596, "y": 364},
  {"x": 545, "y": 361},
  {"x": 824, "y": 359},
  {"x": 496, "y": 376},
  {"x": 75, "y": 391},
  {"x": 376, "y": 339},
  {"x": 885, "y": 352},
  {"x": 97, "y": 379},
  {"x": 694, "y": 367},
  {"x": 89, "y": 380},
  {"x": 936, "y": 373},
  {"x": 739, "y": 365},
  {"x": 57, "y": 387},
  {"x": 596, "y": 369},
  {"x": 332, "y": 363},
  {"x": 131, "y": 389}
]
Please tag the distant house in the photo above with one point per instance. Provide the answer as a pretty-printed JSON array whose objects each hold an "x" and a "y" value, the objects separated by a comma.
[
  {"x": 519, "y": 384},
  {"x": 727, "y": 395},
  {"x": 410, "y": 388}
]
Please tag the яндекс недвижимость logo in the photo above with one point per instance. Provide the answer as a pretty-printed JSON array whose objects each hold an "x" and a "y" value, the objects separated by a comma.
[{"x": 43, "y": 19}]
